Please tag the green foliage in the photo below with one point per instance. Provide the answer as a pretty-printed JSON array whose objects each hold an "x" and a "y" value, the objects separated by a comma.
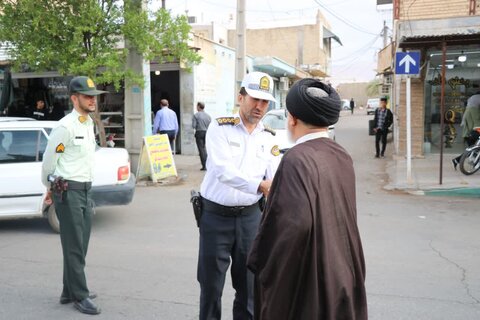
[
  {"x": 87, "y": 37},
  {"x": 373, "y": 88}
]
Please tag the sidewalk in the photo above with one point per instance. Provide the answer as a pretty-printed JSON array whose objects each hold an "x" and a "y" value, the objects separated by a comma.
[{"x": 426, "y": 177}]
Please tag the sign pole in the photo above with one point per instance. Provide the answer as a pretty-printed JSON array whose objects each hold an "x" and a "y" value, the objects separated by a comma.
[{"x": 409, "y": 133}]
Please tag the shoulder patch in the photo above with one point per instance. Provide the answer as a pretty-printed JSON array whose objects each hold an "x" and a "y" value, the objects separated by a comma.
[
  {"x": 233, "y": 121},
  {"x": 60, "y": 148},
  {"x": 270, "y": 130}
]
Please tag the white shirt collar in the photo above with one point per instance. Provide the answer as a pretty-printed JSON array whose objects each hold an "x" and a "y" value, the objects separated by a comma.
[{"x": 311, "y": 136}]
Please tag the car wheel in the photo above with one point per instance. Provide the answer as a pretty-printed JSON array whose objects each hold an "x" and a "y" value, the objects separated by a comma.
[{"x": 53, "y": 219}]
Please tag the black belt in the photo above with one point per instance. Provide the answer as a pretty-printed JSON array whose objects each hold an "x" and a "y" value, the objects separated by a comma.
[
  {"x": 227, "y": 210},
  {"x": 75, "y": 185}
]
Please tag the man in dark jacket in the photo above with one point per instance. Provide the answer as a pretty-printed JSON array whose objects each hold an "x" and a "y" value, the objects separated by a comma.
[{"x": 383, "y": 120}]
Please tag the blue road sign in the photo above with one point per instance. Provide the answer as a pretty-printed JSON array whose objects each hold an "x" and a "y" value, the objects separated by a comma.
[{"x": 407, "y": 62}]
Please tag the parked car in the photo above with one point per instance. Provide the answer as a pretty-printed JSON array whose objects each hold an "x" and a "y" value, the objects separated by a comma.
[
  {"x": 22, "y": 144},
  {"x": 277, "y": 120},
  {"x": 372, "y": 105},
  {"x": 345, "y": 104}
]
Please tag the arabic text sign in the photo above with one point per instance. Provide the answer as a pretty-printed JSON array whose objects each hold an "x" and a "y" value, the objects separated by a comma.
[{"x": 157, "y": 149}]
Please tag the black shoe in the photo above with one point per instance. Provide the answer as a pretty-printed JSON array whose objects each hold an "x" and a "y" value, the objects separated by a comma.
[
  {"x": 203, "y": 169},
  {"x": 382, "y": 156},
  {"x": 455, "y": 164},
  {"x": 65, "y": 300},
  {"x": 87, "y": 306},
  {"x": 377, "y": 156}
]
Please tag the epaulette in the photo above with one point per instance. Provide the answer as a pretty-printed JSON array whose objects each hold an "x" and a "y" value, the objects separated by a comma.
[
  {"x": 270, "y": 130},
  {"x": 228, "y": 120}
]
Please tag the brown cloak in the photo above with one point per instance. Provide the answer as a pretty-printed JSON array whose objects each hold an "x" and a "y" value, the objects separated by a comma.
[{"x": 307, "y": 257}]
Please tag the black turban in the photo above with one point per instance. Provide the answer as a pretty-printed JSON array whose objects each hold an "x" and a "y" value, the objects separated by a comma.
[{"x": 314, "y": 102}]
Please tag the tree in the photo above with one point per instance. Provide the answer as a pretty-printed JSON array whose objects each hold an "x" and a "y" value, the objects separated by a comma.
[
  {"x": 372, "y": 88},
  {"x": 88, "y": 37}
]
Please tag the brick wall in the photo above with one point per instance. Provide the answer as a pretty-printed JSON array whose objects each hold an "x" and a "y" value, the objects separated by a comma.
[
  {"x": 433, "y": 9},
  {"x": 417, "y": 118}
]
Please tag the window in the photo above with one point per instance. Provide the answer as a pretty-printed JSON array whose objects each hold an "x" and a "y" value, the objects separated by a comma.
[
  {"x": 22, "y": 146},
  {"x": 275, "y": 121}
]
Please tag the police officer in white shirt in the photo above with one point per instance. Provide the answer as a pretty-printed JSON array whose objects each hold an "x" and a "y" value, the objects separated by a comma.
[{"x": 242, "y": 160}]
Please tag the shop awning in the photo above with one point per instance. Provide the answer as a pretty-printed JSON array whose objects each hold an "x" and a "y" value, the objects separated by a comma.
[
  {"x": 455, "y": 31},
  {"x": 329, "y": 34},
  {"x": 273, "y": 66}
]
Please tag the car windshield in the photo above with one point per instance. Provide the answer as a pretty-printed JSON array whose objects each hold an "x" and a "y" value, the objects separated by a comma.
[{"x": 276, "y": 121}]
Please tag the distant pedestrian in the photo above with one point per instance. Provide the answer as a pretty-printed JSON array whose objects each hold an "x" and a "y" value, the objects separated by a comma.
[
  {"x": 68, "y": 161},
  {"x": 382, "y": 121},
  {"x": 166, "y": 122},
  {"x": 307, "y": 256},
  {"x": 200, "y": 122},
  {"x": 352, "y": 105}
]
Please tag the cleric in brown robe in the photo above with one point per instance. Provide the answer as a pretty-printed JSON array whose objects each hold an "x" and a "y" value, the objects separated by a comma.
[{"x": 307, "y": 257}]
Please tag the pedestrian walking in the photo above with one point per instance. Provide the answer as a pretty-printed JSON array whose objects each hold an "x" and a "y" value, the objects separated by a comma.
[
  {"x": 242, "y": 160},
  {"x": 307, "y": 257},
  {"x": 382, "y": 121},
  {"x": 352, "y": 105},
  {"x": 200, "y": 122},
  {"x": 68, "y": 163},
  {"x": 166, "y": 122}
]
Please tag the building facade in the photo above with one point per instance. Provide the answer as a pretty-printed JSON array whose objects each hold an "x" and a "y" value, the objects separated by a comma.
[{"x": 447, "y": 35}]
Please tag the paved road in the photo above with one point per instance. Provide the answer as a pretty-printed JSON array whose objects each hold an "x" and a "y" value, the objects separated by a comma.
[{"x": 422, "y": 253}]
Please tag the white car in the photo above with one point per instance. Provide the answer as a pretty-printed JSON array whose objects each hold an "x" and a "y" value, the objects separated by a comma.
[
  {"x": 372, "y": 105},
  {"x": 22, "y": 194},
  {"x": 277, "y": 120}
]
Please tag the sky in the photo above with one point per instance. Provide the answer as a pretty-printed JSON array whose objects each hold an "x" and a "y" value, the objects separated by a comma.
[{"x": 358, "y": 24}]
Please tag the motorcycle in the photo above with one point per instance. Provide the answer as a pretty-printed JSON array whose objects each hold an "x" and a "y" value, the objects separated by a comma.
[{"x": 470, "y": 161}]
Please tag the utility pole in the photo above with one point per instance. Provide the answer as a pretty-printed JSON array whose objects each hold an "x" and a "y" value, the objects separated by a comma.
[
  {"x": 385, "y": 34},
  {"x": 163, "y": 4},
  {"x": 240, "y": 48}
]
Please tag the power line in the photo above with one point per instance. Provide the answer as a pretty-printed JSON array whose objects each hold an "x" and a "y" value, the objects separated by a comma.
[
  {"x": 362, "y": 49},
  {"x": 342, "y": 19}
]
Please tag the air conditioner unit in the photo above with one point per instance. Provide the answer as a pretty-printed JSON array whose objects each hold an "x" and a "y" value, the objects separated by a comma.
[
  {"x": 284, "y": 84},
  {"x": 192, "y": 19}
]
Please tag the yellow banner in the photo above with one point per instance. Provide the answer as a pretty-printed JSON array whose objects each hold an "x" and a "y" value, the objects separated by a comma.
[{"x": 156, "y": 157}]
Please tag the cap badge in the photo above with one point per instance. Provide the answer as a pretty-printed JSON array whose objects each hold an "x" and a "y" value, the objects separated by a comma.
[
  {"x": 90, "y": 83},
  {"x": 265, "y": 84},
  {"x": 82, "y": 119},
  {"x": 60, "y": 148},
  {"x": 275, "y": 151}
]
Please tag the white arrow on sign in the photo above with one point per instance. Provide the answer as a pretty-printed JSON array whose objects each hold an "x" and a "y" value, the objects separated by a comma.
[{"x": 407, "y": 60}]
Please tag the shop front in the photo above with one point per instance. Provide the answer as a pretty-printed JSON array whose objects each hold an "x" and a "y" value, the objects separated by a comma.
[
  {"x": 462, "y": 80},
  {"x": 449, "y": 75}
]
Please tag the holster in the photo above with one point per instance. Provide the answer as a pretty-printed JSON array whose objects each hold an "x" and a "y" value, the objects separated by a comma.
[
  {"x": 196, "y": 200},
  {"x": 58, "y": 185}
]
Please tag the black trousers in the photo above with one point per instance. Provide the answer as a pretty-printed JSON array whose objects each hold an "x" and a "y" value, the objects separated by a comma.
[
  {"x": 200, "y": 140},
  {"x": 381, "y": 135},
  {"x": 223, "y": 238},
  {"x": 171, "y": 136},
  {"x": 74, "y": 211}
]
